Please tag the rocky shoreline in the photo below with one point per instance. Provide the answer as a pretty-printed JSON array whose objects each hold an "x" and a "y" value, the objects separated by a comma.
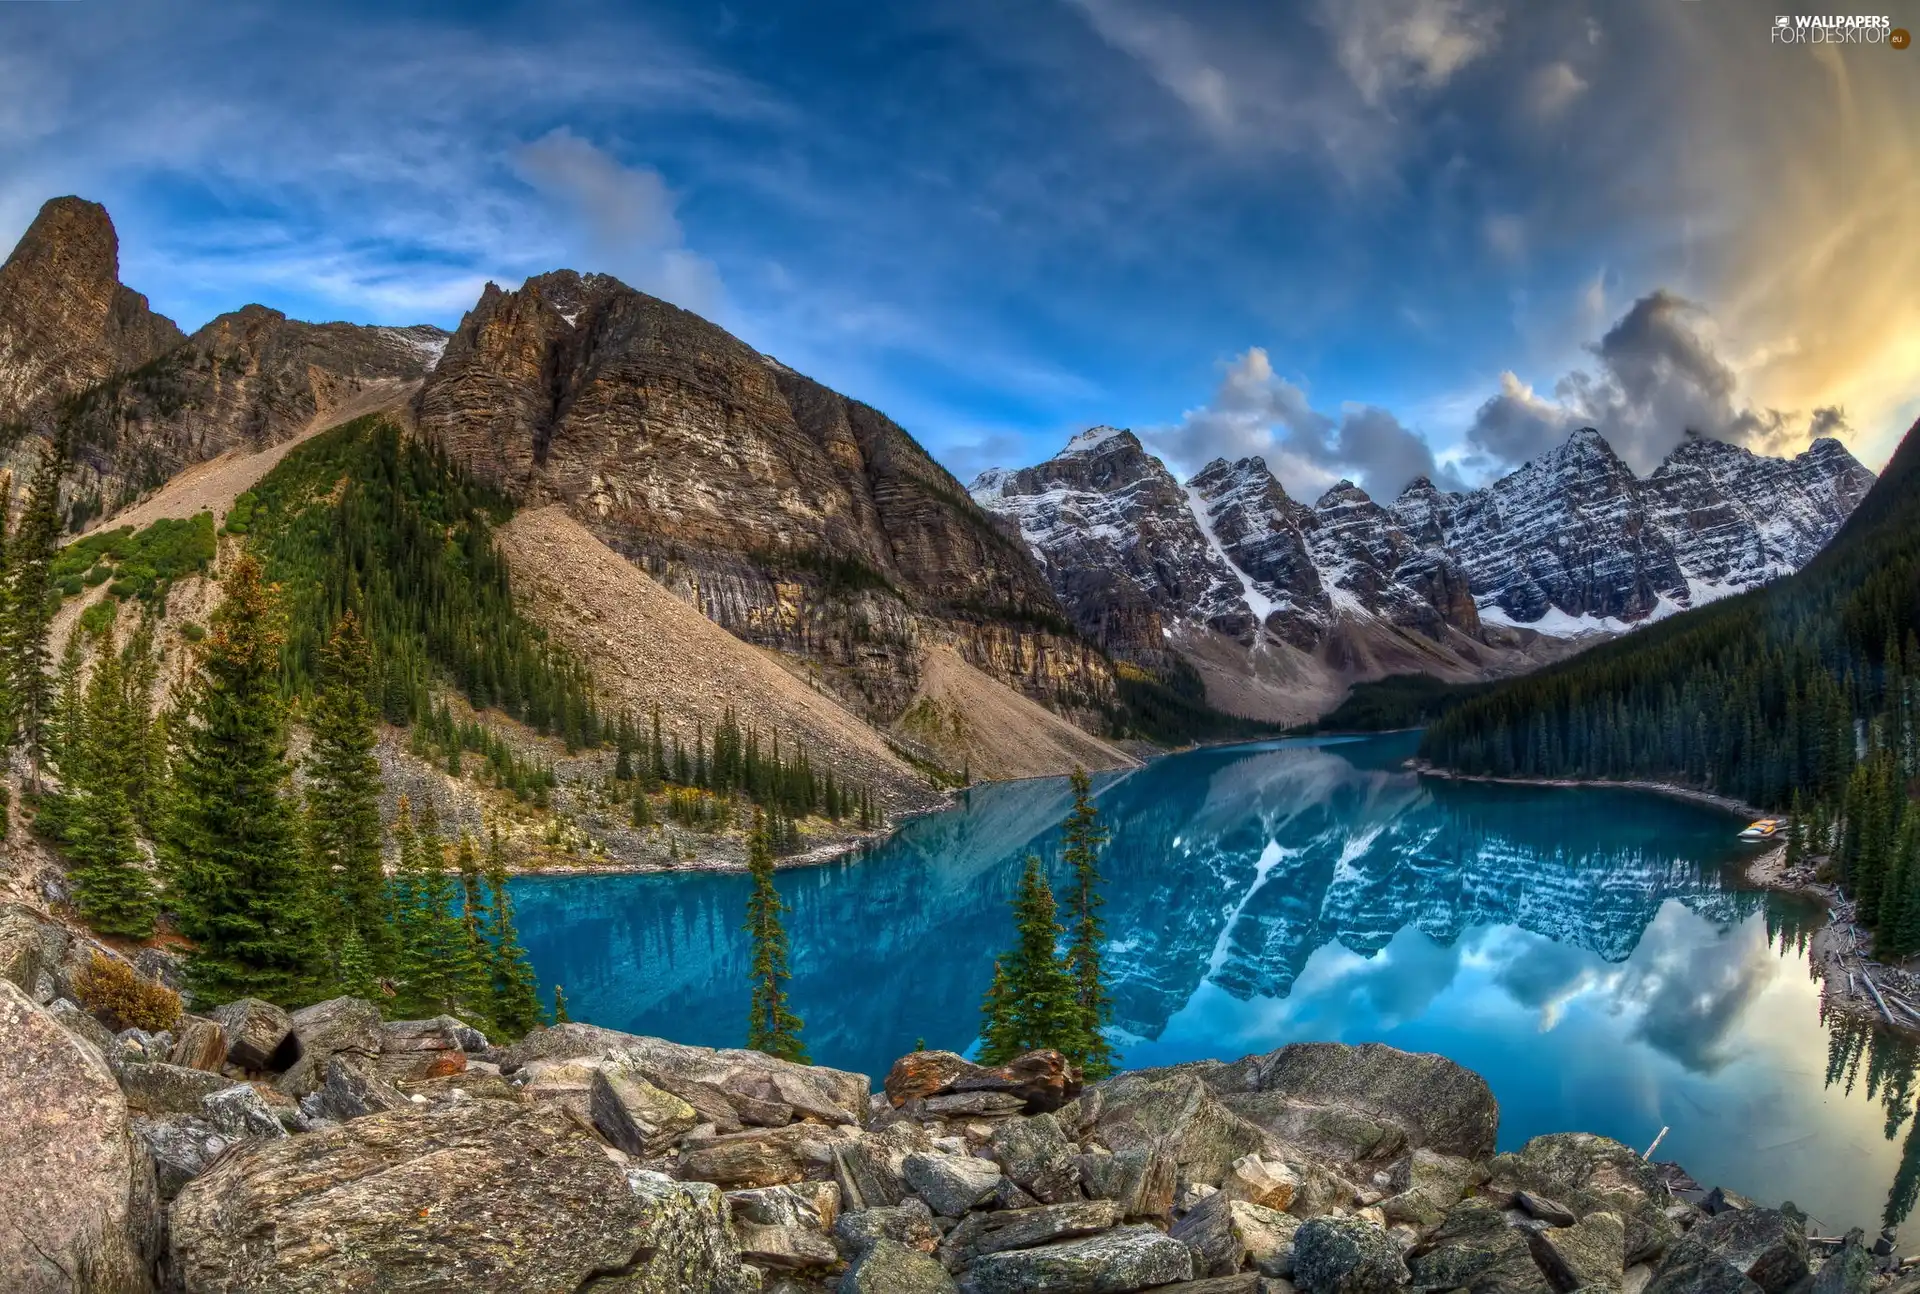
[
  {"x": 1671, "y": 789},
  {"x": 249, "y": 1149}
]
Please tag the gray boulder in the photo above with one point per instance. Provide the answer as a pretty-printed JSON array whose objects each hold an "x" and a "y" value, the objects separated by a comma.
[
  {"x": 1037, "y": 1157},
  {"x": 180, "y": 1146},
  {"x": 79, "y": 1194},
  {"x": 1426, "y": 1184},
  {"x": 239, "y": 1111},
  {"x": 950, "y": 1184},
  {"x": 1705, "y": 1276},
  {"x": 909, "y": 1224},
  {"x": 1346, "y": 1255},
  {"x": 259, "y": 1035},
  {"x": 889, "y": 1267},
  {"x": 1176, "y": 1112},
  {"x": 82, "y": 1025},
  {"x": 1765, "y": 1245},
  {"x": 158, "y": 1088},
  {"x": 1226, "y": 1233},
  {"x": 632, "y": 1113},
  {"x": 814, "y": 1205},
  {"x": 1589, "y": 1174},
  {"x": 1361, "y": 1104},
  {"x": 352, "y": 1090},
  {"x": 1113, "y": 1262},
  {"x": 1140, "y": 1179},
  {"x": 1475, "y": 1248},
  {"x": 339, "y": 1026},
  {"x": 751, "y": 1158},
  {"x": 1849, "y": 1270},
  {"x": 870, "y": 1170},
  {"x": 1584, "y": 1256},
  {"x": 989, "y": 1233},
  {"x": 395, "y": 1215}
]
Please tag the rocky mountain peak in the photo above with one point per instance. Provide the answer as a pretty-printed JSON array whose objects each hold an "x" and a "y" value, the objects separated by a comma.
[
  {"x": 1343, "y": 494},
  {"x": 66, "y": 322}
]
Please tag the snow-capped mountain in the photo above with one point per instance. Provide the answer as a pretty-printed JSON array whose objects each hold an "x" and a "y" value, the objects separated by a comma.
[{"x": 1466, "y": 584}]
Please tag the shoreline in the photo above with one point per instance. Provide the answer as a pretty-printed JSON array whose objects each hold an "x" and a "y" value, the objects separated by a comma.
[{"x": 1671, "y": 789}]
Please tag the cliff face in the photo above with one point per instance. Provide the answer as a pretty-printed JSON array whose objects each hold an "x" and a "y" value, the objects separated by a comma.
[
  {"x": 790, "y": 514},
  {"x": 66, "y": 323},
  {"x": 139, "y": 400}
]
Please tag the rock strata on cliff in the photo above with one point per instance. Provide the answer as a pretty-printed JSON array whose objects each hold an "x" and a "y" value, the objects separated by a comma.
[{"x": 790, "y": 514}]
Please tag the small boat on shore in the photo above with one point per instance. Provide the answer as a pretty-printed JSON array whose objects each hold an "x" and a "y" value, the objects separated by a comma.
[{"x": 1764, "y": 830}]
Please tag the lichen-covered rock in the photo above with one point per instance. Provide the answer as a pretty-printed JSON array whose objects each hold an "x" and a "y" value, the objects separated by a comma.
[
  {"x": 240, "y": 1111},
  {"x": 784, "y": 1248},
  {"x": 199, "y": 1043},
  {"x": 754, "y": 1157},
  {"x": 1426, "y": 1184},
  {"x": 1112, "y": 1262},
  {"x": 158, "y": 1088},
  {"x": 1710, "y": 1275},
  {"x": 335, "y": 1027},
  {"x": 1361, "y": 1104},
  {"x": 1179, "y": 1113},
  {"x": 390, "y": 1202},
  {"x": 1849, "y": 1270},
  {"x": 950, "y": 1184},
  {"x": 1584, "y": 1256},
  {"x": 1345, "y": 1255},
  {"x": 1036, "y": 1155},
  {"x": 889, "y": 1267},
  {"x": 1476, "y": 1249},
  {"x": 1266, "y": 1182},
  {"x": 632, "y": 1113},
  {"x": 870, "y": 1169},
  {"x": 82, "y": 1025},
  {"x": 1589, "y": 1174},
  {"x": 1140, "y": 1179},
  {"x": 180, "y": 1146},
  {"x": 909, "y": 1223},
  {"x": 1765, "y": 1245},
  {"x": 988, "y": 1233},
  {"x": 352, "y": 1089},
  {"x": 78, "y": 1193},
  {"x": 815, "y": 1205},
  {"x": 259, "y": 1035}
]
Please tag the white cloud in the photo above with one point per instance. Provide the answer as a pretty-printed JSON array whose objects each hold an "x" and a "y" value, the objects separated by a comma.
[
  {"x": 1552, "y": 89},
  {"x": 1390, "y": 46}
]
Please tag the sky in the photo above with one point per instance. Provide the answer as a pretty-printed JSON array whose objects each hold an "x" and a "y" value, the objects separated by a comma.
[{"x": 1366, "y": 239}]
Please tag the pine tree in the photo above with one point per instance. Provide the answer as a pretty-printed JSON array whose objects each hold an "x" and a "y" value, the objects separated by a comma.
[
  {"x": 516, "y": 997},
  {"x": 771, "y": 1026},
  {"x": 560, "y": 1015},
  {"x": 431, "y": 937},
  {"x": 472, "y": 975},
  {"x": 1031, "y": 1003},
  {"x": 353, "y": 970},
  {"x": 1796, "y": 832},
  {"x": 111, "y": 888},
  {"x": 240, "y": 882},
  {"x": 30, "y": 604},
  {"x": 343, "y": 792},
  {"x": 1082, "y": 835}
]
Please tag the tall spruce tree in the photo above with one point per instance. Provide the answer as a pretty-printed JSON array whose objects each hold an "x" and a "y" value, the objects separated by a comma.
[
  {"x": 240, "y": 881},
  {"x": 110, "y": 886},
  {"x": 516, "y": 995},
  {"x": 1031, "y": 1004},
  {"x": 1081, "y": 837},
  {"x": 343, "y": 793},
  {"x": 431, "y": 937},
  {"x": 30, "y": 604},
  {"x": 771, "y": 1026}
]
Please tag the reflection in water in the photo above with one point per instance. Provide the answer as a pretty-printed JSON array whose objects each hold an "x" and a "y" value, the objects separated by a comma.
[
  {"x": 1891, "y": 1063},
  {"x": 1582, "y": 949}
]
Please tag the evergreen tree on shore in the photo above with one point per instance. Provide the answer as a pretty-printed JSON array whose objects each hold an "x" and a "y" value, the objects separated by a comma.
[
  {"x": 1031, "y": 1003},
  {"x": 1082, "y": 836},
  {"x": 110, "y": 886},
  {"x": 771, "y": 1026},
  {"x": 516, "y": 995},
  {"x": 30, "y": 604},
  {"x": 240, "y": 882},
  {"x": 343, "y": 792}
]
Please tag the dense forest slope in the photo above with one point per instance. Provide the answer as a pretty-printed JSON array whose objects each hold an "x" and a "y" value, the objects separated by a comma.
[{"x": 1778, "y": 691}]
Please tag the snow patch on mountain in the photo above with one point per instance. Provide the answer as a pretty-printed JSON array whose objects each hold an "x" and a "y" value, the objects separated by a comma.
[{"x": 1257, "y": 602}]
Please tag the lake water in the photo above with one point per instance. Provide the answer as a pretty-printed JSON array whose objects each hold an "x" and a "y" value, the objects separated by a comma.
[{"x": 1590, "y": 952}]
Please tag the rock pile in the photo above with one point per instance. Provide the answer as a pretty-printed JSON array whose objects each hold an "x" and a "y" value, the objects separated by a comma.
[{"x": 249, "y": 1149}]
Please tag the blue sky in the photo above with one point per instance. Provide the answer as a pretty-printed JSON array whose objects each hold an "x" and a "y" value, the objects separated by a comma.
[{"x": 1364, "y": 238}]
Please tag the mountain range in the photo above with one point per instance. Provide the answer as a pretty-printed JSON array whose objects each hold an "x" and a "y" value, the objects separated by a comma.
[{"x": 1280, "y": 605}]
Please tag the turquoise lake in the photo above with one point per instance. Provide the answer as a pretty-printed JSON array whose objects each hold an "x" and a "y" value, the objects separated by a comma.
[{"x": 1591, "y": 952}]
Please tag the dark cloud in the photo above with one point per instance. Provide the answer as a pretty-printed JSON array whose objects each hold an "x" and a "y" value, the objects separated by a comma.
[
  {"x": 1256, "y": 411},
  {"x": 1659, "y": 380}
]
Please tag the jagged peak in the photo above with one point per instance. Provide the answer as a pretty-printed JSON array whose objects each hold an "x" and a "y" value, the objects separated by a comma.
[
  {"x": 1419, "y": 487},
  {"x": 1093, "y": 438},
  {"x": 1343, "y": 493},
  {"x": 69, "y": 235}
]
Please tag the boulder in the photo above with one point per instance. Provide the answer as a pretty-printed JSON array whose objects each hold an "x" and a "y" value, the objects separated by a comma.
[
  {"x": 989, "y": 1233},
  {"x": 566, "y": 1083},
  {"x": 180, "y": 1146},
  {"x": 632, "y": 1113},
  {"x": 1141, "y": 1180},
  {"x": 1425, "y": 1184},
  {"x": 1345, "y": 1255},
  {"x": 1037, "y": 1157},
  {"x": 1224, "y": 1233},
  {"x": 1545, "y": 1210},
  {"x": 199, "y": 1043},
  {"x": 1112, "y": 1262},
  {"x": 950, "y": 1184},
  {"x": 1584, "y": 1256},
  {"x": 156, "y": 1088},
  {"x": 1765, "y": 1245},
  {"x": 1475, "y": 1248},
  {"x": 1180, "y": 1114},
  {"x": 1266, "y": 1182},
  {"x": 756, "y": 1157},
  {"x": 1581, "y": 1174},
  {"x": 920, "y": 1074},
  {"x": 909, "y": 1224},
  {"x": 335, "y": 1027},
  {"x": 815, "y": 1205},
  {"x": 870, "y": 1169},
  {"x": 391, "y": 1202},
  {"x": 79, "y": 1195},
  {"x": 1849, "y": 1270},
  {"x": 259, "y": 1035},
  {"x": 784, "y": 1248},
  {"x": 160, "y": 966},
  {"x": 1360, "y": 1104},
  {"x": 889, "y": 1267},
  {"x": 240, "y": 1111},
  {"x": 704, "y": 1077},
  {"x": 416, "y": 1050},
  {"x": 1705, "y": 1276},
  {"x": 352, "y": 1090},
  {"x": 82, "y": 1025},
  {"x": 1042, "y": 1080}
]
